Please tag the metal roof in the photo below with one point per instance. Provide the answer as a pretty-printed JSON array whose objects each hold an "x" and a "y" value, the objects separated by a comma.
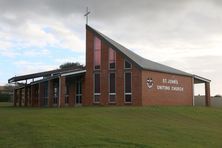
[
  {"x": 42, "y": 74},
  {"x": 198, "y": 79},
  {"x": 140, "y": 61}
]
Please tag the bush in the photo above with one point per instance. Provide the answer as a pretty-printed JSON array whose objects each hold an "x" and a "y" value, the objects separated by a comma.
[
  {"x": 4, "y": 97},
  {"x": 218, "y": 96}
]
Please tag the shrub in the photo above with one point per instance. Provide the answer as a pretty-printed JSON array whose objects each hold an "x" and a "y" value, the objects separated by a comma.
[{"x": 4, "y": 97}]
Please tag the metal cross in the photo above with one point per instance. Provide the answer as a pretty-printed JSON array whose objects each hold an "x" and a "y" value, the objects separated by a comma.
[{"x": 86, "y": 15}]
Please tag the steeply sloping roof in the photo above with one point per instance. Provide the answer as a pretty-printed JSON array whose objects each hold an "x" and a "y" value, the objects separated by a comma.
[{"x": 140, "y": 61}]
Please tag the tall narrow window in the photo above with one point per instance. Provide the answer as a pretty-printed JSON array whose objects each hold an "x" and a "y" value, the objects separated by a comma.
[
  {"x": 97, "y": 53},
  {"x": 66, "y": 94},
  {"x": 112, "y": 87},
  {"x": 128, "y": 91},
  {"x": 45, "y": 94},
  {"x": 127, "y": 65},
  {"x": 96, "y": 87},
  {"x": 56, "y": 94},
  {"x": 79, "y": 92},
  {"x": 112, "y": 59}
]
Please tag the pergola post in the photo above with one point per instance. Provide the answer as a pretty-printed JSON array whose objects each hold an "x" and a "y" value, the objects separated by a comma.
[{"x": 62, "y": 84}]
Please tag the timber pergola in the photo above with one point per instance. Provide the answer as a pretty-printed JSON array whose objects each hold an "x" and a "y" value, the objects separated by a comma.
[{"x": 199, "y": 80}]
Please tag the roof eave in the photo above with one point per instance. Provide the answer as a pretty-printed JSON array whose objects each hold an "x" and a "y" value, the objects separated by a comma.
[{"x": 201, "y": 78}]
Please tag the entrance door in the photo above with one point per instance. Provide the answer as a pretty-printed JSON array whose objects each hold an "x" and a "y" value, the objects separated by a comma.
[{"x": 78, "y": 92}]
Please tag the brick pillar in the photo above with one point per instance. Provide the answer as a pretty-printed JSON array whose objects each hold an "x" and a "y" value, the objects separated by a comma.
[
  {"x": 50, "y": 92},
  {"x": 20, "y": 97},
  {"x": 88, "y": 91},
  {"x": 207, "y": 93},
  {"x": 62, "y": 84},
  {"x": 72, "y": 93},
  {"x": 137, "y": 86},
  {"x": 119, "y": 79},
  {"x": 15, "y": 97},
  {"x": 26, "y": 95},
  {"x": 104, "y": 75}
]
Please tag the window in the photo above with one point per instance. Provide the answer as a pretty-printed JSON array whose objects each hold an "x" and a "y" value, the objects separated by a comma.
[
  {"x": 128, "y": 87},
  {"x": 96, "y": 87},
  {"x": 45, "y": 100},
  {"x": 79, "y": 92},
  {"x": 55, "y": 95},
  {"x": 112, "y": 87},
  {"x": 112, "y": 59},
  {"x": 127, "y": 65},
  {"x": 66, "y": 94},
  {"x": 97, "y": 53}
]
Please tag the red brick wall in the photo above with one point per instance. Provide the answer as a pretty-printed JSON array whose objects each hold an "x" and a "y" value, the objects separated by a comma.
[
  {"x": 88, "y": 90},
  {"x": 104, "y": 73},
  {"x": 136, "y": 86},
  {"x": 153, "y": 96},
  {"x": 119, "y": 79},
  {"x": 34, "y": 94},
  {"x": 136, "y": 82}
]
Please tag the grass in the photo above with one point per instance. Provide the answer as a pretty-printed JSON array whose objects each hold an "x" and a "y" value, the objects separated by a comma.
[{"x": 111, "y": 127}]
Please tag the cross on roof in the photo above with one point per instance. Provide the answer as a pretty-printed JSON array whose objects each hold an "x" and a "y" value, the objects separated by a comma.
[{"x": 86, "y": 15}]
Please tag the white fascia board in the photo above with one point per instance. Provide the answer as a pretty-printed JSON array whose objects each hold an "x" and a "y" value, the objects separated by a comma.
[{"x": 73, "y": 73}]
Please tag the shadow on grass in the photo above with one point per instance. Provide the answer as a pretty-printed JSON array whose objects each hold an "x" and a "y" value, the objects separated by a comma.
[{"x": 107, "y": 142}]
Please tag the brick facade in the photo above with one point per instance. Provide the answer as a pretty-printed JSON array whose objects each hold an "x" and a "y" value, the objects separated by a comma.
[{"x": 153, "y": 96}]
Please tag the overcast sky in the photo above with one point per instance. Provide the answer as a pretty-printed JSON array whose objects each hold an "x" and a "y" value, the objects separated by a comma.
[{"x": 38, "y": 35}]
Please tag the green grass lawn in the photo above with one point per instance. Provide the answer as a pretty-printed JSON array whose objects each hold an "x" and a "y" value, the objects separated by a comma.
[{"x": 111, "y": 127}]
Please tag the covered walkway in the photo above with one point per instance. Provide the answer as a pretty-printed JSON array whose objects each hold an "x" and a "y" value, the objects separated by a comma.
[{"x": 55, "y": 88}]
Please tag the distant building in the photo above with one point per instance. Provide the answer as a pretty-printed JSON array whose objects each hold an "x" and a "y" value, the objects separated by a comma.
[{"x": 113, "y": 75}]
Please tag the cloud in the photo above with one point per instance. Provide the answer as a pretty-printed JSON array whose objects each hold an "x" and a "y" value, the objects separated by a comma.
[
  {"x": 183, "y": 34},
  {"x": 32, "y": 34},
  {"x": 80, "y": 59},
  {"x": 27, "y": 67},
  {"x": 205, "y": 66}
]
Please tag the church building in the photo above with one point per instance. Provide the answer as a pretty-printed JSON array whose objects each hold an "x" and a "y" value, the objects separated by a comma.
[{"x": 113, "y": 75}]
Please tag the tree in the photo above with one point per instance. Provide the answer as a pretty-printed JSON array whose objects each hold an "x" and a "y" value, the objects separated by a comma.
[
  {"x": 6, "y": 93},
  {"x": 73, "y": 65}
]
